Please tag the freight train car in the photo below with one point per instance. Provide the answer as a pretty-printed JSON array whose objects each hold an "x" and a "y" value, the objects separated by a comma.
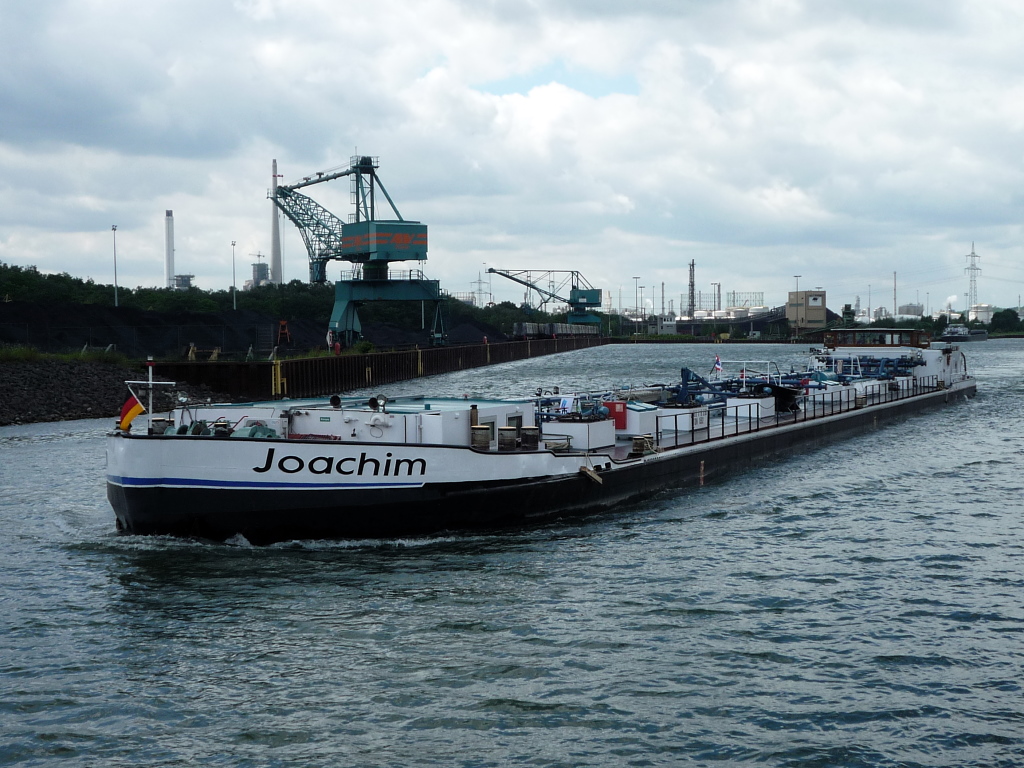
[{"x": 552, "y": 330}]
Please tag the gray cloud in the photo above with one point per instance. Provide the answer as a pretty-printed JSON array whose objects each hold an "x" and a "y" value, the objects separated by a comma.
[{"x": 760, "y": 137}]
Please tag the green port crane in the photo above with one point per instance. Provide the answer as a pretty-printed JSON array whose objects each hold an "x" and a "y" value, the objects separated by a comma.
[
  {"x": 582, "y": 295},
  {"x": 367, "y": 241}
]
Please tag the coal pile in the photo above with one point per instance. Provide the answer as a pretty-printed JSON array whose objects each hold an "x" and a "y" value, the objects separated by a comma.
[
  {"x": 57, "y": 390},
  {"x": 137, "y": 333}
]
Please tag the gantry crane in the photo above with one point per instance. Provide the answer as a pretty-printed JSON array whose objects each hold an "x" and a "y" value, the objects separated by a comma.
[
  {"x": 582, "y": 295},
  {"x": 371, "y": 243}
]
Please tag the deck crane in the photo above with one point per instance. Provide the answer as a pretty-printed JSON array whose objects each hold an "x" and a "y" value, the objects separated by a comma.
[
  {"x": 367, "y": 241},
  {"x": 582, "y": 295}
]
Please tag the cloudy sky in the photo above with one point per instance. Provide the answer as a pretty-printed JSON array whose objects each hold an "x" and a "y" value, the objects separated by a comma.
[{"x": 840, "y": 141}]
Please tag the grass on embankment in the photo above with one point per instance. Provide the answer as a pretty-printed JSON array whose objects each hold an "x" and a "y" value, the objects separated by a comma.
[{"x": 18, "y": 354}]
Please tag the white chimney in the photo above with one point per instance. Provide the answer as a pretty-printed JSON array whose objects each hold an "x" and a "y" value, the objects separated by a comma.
[
  {"x": 169, "y": 249},
  {"x": 275, "y": 234}
]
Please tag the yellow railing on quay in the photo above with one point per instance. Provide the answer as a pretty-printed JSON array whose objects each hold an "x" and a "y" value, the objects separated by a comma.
[{"x": 322, "y": 376}]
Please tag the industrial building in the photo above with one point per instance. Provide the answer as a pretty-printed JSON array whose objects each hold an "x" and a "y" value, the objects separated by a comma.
[{"x": 806, "y": 311}]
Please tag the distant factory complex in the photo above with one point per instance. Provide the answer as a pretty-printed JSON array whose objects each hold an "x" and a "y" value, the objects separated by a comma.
[{"x": 372, "y": 244}]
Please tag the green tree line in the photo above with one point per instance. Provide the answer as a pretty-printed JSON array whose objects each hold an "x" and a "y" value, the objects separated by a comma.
[
  {"x": 297, "y": 299},
  {"x": 293, "y": 300},
  {"x": 1005, "y": 321}
]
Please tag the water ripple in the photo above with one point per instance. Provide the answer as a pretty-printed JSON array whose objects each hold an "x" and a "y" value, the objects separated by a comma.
[{"x": 857, "y": 605}]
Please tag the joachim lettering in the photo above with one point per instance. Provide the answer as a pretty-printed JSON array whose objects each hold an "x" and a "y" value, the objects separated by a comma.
[{"x": 349, "y": 465}]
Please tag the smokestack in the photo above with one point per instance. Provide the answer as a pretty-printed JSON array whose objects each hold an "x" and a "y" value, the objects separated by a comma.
[
  {"x": 275, "y": 234},
  {"x": 169, "y": 249}
]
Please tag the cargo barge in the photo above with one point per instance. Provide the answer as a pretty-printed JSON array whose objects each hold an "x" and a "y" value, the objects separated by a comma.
[{"x": 358, "y": 468}]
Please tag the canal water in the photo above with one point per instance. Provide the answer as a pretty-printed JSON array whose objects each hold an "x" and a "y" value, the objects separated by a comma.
[{"x": 858, "y": 604}]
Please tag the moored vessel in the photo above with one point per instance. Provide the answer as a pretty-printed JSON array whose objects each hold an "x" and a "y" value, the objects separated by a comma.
[
  {"x": 358, "y": 467},
  {"x": 962, "y": 333}
]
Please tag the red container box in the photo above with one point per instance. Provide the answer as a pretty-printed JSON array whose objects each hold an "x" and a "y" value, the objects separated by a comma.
[{"x": 617, "y": 409}]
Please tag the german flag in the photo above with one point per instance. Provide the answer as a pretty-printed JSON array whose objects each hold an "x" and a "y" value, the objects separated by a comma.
[{"x": 129, "y": 411}]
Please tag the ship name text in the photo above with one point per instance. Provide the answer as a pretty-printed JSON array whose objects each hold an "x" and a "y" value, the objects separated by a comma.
[{"x": 349, "y": 465}]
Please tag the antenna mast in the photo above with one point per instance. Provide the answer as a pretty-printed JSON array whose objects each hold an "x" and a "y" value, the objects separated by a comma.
[
  {"x": 972, "y": 270},
  {"x": 692, "y": 298}
]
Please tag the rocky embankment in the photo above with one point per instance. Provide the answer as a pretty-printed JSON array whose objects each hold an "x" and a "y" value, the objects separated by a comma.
[{"x": 57, "y": 390}]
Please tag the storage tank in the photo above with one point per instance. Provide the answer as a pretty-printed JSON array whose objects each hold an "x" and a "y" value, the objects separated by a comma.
[
  {"x": 721, "y": 314},
  {"x": 739, "y": 312},
  {"x": 700, "y": 314},
  {"x": 981, "y": 313},
  {"x": 759, "y": 310}
]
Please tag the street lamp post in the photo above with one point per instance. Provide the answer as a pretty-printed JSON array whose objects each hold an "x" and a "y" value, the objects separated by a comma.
[
  {"x": 234, "y": 290},
  {"x": 113, "y": 229},
  {"x": 636, "y": 300},
  {"x": 641, "y": 310}
]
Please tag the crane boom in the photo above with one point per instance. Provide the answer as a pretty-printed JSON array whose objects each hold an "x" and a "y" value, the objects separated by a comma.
[
  {"x": 320, "y": 229},
  {"x": 533, "y": 286}
]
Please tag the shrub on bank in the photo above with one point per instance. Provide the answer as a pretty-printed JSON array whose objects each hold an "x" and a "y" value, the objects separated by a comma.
[
  {"x": 19, "y": 354},
  {"x": 22, "y": 354}
]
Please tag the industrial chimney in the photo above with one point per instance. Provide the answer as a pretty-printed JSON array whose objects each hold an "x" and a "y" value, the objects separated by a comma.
[
  {"x": 275, "y": 234},
  {"x": 169, "y": 249}
]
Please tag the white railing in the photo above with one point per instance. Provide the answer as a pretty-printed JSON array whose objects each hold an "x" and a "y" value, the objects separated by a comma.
[{"x": 682, "y": 428}]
